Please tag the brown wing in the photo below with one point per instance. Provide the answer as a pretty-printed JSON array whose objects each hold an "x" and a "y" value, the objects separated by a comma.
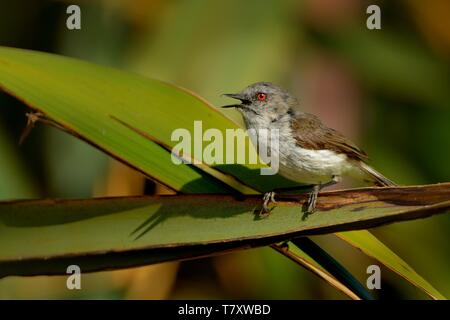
[{"x": 311, "y": 134}]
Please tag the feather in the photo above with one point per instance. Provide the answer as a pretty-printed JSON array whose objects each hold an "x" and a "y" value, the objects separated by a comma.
[
  {"x": 378, "y": 178},
  {"x": 310, "y": 133}
]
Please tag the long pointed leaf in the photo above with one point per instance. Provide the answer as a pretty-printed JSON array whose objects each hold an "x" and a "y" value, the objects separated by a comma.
[
  {"x": 84, "y": 97},
  {"x": 41, "y": 236},
  {"x": 370, "y": 245}
]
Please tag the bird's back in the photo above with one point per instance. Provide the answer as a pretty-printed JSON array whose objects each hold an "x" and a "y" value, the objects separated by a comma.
[{"x": 310, "y": 133}]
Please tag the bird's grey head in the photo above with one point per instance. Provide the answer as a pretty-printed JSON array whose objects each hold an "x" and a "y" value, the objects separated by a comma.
[{"x": 263, "y": 99}]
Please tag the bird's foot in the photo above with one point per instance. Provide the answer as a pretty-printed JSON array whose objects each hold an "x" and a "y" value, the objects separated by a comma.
[
  {"x": 311, "y": 203},
  {"x": 269, "y": 197}
]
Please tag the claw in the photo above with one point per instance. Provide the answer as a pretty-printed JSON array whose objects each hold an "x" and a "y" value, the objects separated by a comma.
[
  {"x": 269, "y": 197},
  {"x": 311, "y": 205}
]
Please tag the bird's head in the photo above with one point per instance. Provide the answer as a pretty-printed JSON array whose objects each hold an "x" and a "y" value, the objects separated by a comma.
[{"x": 263, "y": 99}]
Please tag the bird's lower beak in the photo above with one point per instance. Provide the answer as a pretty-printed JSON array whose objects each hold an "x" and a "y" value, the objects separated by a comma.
[
  {"x": 232, "y": 106},
  {"x": 237, "y": 96}
]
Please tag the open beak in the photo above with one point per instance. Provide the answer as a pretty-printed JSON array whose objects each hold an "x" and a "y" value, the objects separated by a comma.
[{"x": 237, "y": 96}]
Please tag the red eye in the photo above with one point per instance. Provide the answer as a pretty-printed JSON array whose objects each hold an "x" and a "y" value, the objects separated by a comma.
[{"x": 261, "y": 96}]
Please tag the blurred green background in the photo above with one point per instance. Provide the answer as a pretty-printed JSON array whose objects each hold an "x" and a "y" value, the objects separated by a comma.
[{"x": 388, "y": 90}]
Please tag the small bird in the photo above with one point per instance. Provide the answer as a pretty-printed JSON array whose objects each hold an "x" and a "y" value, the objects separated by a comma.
[{"x": 309, "y": 152}]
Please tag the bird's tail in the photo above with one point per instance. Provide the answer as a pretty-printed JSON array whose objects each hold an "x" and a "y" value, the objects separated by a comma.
[{"x": 377, "y": 177}]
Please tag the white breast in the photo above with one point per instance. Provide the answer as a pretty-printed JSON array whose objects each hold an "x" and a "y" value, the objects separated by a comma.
[
  {"x": 311, "y": 166},
  {"x": 303, "y": 165}
]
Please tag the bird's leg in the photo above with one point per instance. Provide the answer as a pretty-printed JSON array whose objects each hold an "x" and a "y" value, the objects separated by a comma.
[
  {"x": 269, "y": 197},
  {"x": 312, "y": 200},
  {"x": 334, "y": 180}
]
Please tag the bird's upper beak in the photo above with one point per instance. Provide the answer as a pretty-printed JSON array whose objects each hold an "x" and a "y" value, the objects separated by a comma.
[{"x": 238, "y": 96}]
